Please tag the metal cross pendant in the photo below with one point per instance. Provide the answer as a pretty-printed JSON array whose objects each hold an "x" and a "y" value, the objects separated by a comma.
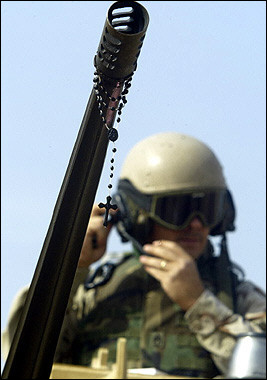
[{"x": 107, "y": 206}]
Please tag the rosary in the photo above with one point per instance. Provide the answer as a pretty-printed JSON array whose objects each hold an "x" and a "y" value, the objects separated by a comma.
[{"x": 116, "y": 101}]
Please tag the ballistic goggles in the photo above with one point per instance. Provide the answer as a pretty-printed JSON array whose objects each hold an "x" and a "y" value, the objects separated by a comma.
[{"x": 176, "y": 211}]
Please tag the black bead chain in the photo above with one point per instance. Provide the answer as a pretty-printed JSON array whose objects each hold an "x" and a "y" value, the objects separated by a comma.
[{"x": 103, "y": 107}]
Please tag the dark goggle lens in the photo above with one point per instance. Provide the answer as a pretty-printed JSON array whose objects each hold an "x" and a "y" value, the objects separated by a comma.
[{"x": 176, "y": 210}]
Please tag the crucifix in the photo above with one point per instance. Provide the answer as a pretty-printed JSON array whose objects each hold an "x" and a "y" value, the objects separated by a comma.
[{"x": 107, "y": 206}]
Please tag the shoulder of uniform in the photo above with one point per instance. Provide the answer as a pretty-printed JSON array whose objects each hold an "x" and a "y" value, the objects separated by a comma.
[
  {"x": 102, "y": 272},
  {"x": 247, "y": 287}
]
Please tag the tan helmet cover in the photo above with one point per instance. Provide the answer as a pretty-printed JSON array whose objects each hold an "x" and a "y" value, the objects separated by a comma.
[{"x": 172, "y": 162}]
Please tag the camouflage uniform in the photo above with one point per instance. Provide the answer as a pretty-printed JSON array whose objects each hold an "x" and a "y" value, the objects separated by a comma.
[
  {"x": 130, "y": 303},
  {"x": 159, "y": 334}
]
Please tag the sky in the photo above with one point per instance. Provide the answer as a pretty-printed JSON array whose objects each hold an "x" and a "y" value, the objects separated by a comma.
[{"x": 201, "y": 72}]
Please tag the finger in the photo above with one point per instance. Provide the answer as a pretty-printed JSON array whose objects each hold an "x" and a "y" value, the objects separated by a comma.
[
  {"x": 98, "y": 234},
  {"x": 154, "y": 262},
  {"x": 167, "y": 249},
  {"x": 172, "y": 246},
  {"x": 97, "y": 211},
  {"x": 96, "y": 220},
  {"x": 169, "y": 244},
  {"x": 156, "y": 273},
  {"x": 158, "y": 250},
  {"x": 96, "y": 225}
]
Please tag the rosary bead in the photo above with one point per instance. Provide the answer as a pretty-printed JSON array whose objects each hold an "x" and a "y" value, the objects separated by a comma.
[
  {"x": 114, "y": 150},
  {"x": 110, "y": 186},
  {"x": 112, "y": 160},
  {"x": 113, "y": 134}
]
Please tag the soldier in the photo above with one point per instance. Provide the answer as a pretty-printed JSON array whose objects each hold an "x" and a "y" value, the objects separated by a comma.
[{"x": 179, "y": 305}]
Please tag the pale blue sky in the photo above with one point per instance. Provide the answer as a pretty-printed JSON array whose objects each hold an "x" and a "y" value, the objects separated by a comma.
[{"x": 201, "y": 72}]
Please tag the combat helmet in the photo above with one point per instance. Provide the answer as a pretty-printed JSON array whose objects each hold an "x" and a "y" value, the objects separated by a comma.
[{"x": 168, "y": 178}]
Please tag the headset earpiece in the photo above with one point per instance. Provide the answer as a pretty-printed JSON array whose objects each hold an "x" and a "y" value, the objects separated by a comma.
[
  {"x": 133, "y": 220},
  {"x": 227, "y": 223}
]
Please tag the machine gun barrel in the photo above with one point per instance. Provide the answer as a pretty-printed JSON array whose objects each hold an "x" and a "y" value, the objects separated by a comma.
[{"x": 34, "y": 344}]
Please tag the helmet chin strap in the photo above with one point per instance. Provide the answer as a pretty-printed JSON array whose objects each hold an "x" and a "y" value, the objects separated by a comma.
[{"x": 224, "y": 268}]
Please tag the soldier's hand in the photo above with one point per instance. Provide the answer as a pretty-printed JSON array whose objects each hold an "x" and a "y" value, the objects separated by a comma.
[
  {"x": 95, "y": 241},
  {"x": 175, "y": 269}
]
